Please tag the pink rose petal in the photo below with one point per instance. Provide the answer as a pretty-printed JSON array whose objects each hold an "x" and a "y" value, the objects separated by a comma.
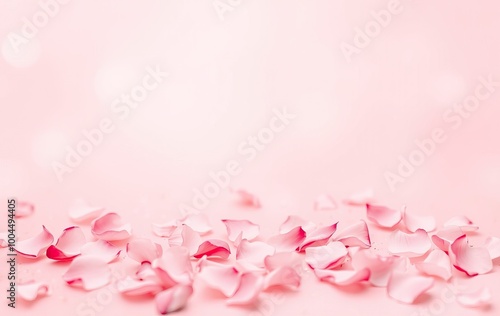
[
  {"x": 471, "y": 260},
  {"x": 110, "y": 227},
  {"x": 324, "y": 202},
  {"x": 4, "y": 240},
  {"x": 356, "y": 235},
  {"x": 479, "y": 298},
  {"x": 80, "y": 211},
  {"x": 173, "y": 299},
  {"x": 32, "y": 290},
  {"x": 198, "y": 222},
  {"x": 406, "y": 288},
  {"x": 133, "y": 287},
  {"x": 463, "y": 222},
  {"x": 245, "y": 228},
  {"x": 174, "y": 267},
  {"x": 24, "y": 209},
  {"x": 34, "y": 246},
  {"x": 190, "y": 239},
  {"x": 383, "y": 216},
  {"x": 293, "y": 221},
  {"x": 254, "y": 252},
  {"x": 143, "y": 250},
  {"x": 437, "y": 264},
  {"x": 213, "y": 248},
  {"x": 250, "y": 286},
  {"x": 164, "y": 230},
  {"x": 68, "y": 246},
  {"x": 247, "y": 199},
  {"x": 319, "y": 236},
  {"x": 289, "y": 241},
  {"x": 444, "y": 238},
  {"x": 89, "y": 272},
  {"x": 326, "y": 257},
  {"x": 409, "y": 245},
  {"x": 360, "y": 198},
  {"x": 101, "y": 248},
  {"x": 343, "y": 277},
  {"x": 414, "y": 222},
  {"x": 380, "y": 266},
  {"x": 283, "y": 259},
  {"x": 223, "y": 278},
  {"x": 283, "y": 276},
  {"x": 493, "y": 246}
]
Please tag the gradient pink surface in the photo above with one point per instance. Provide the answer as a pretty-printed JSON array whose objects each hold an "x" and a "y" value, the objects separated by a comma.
[{"x": 353, "y": 120}]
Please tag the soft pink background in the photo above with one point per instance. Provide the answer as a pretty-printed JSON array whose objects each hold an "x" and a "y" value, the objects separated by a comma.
[{"x": 352, "y": 122}]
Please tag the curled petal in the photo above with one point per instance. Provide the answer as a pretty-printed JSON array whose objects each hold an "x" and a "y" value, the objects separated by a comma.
[
  {"x": 143, "y": 250},
  {"x": 250, "y": 286},
  {"x": 32, "y": 290},
  {"x": 254, "y": 252},
  {"x": 414, "y": 222},
  {"x": 82, "y": 212},
  {"x": 326, "y": 257},
  {"x": 383, "y": 216},
  {"x": 24, "y": 209},
  {"x": 213, "y": 248},
  {"x": 356, "y": 235},
  {"x": 198, "y": 222},
  {"x": 110, "y": 227},
  {"x": 437, "y": 264},
  {"x": 410, "y": 245},
  {"x": 293, "y": 221},
  {"x": 133, "y": 287},
  {"x": 173, "y": 299},
  {"x": 223, "y": 278},
  {"x": 493, "y": 246},
  {"x": 463, "y": 222},
  {"x": 405, "y": 287},
  {"x": 319, "y": 236},
  {"x": 289, "y": 241},
  {"x": 471, "y": 260},
  {"x": 88, "y": 272},
  {"x": 174, "y": 267},
  {"x": 164, "y": 230},
  {"x": 245, "y": 228},
  {"x": 68, "y": 246},
  {"x": 247, "y": 199},
  {"x": 101, "y": 248},
  {"x": 479, "y": 298},
  {"x": 283, "y": 259},
  {"x": 444, "y": 238},
  {"x": 360, "y": 198},
  {"x": 282, "y": 276},
  {"x": 380, "y": 266},
  {"x": 34, "y": 246},
  {"x": 324, "y": 202},
  {"x": 343, "y": 277}
]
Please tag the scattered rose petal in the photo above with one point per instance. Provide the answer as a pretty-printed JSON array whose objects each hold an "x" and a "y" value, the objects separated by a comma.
[
  {"x": 319, "y": 236},
  {"x": 343, "y": 277},
  {"x": 254, "y": 252},
  {"x": 289, "y": 241},
  {"x": 190, "y": 239},
  {"x": 293, "y": 221},
  {"x": 173, "y": 299},
  {"x": 174, "y": 267},
  {"x": 68, "y": 246},
  {"x": 437, "y": 264},
  {"x": 360, "y": 198},
  {"x": 89, "y": 272},
  {"x": 213, "y": 248},
  {"x": 463, "y": 222},
  {"x": 223, "y": 278},
  {"x": 414, "y": 222},
  {"x": 164, "y": 230},
  {"x": 34, "y": 246},
  {"x": 32, "y": 290},
  {"x": 24, "y": 209},
  {"x": 326, "y": 257},
  {"x": 4, "y": 240},
  {"x": 444, "y": 238},
  {"x": 355, "y": 235},
  {"x": 133, "y": 287},
  {"x": 479, "y": 298},
  {"x": 80, "y": 212},
  {"x": 250, "y": 286},
  {"x": 143, "y": 250},
  {"x": 405, "y": 287},
  {"x": 101, "y": 248},
  {"x": 198, "y": 222},
  {"x": 410, "y": 245},
  {"x": 247, "y": 199},
  {"x": 471, "y": 260},
  {"x": 282, "y": 259},
  {"x": 110, "y": 227},
  {"x": 380, "y": 266},
  {"x": 382, "y": 215},
  {"x": 282, "y": 276},
  {"x": 324, "y": 202},
  {"x": 493, "y": 246},
  {"x": 245, "y": 229}
]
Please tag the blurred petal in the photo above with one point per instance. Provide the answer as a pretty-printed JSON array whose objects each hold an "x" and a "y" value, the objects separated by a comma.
[
  {"x": 247, "y": 199},
  {"x": 356, "y": 235},
  {"x": 101, "y": 248},
  {"x": 471, "y": 260},
  {"x": 343, "y": 277},
  {"x": 68, "y": 245},
  {"x": 324, "y": 202},
  {"x": 319, "y": 236},
  {"x": 164, "y": 230},
  {"x": 382, "y": 215},
  {"x": 34, "y": 246},
  {"x": 173, "y": 299},
  {"x": 414, "y": 222},
  {"x": 221, "y": 277},
  {"x": 289, "y": 241},
  {"x": 479, "y": 298},
  {"x": 110, "y": 227},
  {"x": 250, "y": 286},
  {"x": 82, "y": 212},
  {"x": 326, "y": 257},
  {"x": 143, "y": 250},
  {"x": 282, "y": 259},
  {"x": 444, "y": 238},
  {"x": 254, "y": 252},
  {"x": 32, "y": 290},
  {"x": 133, "y": 287},
  {"x": 213, "y": 248},
  {"x": 360, "y": 198},
  {"x": 437, "y": 264},
  {"x": 88, "y": 272},
  {"x": 380, "y": 266},
  {"x": 293, "y": 221},
  {"x": 463, "y": 222},
  {"x": 405, "y": 287},
  {"x": 493, "y": 246},
  {"x": 247, "y": 229},
  {"x": 410, "y": 245},
  {"x": 4, "y": 240},
  {"x": 198, "y": 222},
  {"x": 24, "y": 209},
  {"x": 282, "y": 276}
]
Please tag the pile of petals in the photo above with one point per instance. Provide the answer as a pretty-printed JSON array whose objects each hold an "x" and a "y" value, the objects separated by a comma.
[{"x": 243, "y": 264}]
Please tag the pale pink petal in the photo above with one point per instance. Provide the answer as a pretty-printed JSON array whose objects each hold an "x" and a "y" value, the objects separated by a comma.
[
  {"x": 283, "y": 276},
  {"x": 319, "y": 236},
  {"x": 380, "y": 266},
  {"x": 247, "y": 199},
  {"x": 406, "y": 288},
  {"x": 244, "y": 228},
  {"x": 198, "y": 222},
  {"x": 110, "y": 227},
  {"x": 32, "y": 290},
  {"x": 479, "y": 298},
  {"x": 4, "y": 240},
  {"x": 213, "y": 248},
  {"x": 414, "y": 222},
  {"x": 24, "y": 209},
  {"x": 248, "y": 291},
  {"x": 293, "y": 221},
  {"x": 244, "y": 267},
  {"x": 409, "y": 245},
  {"x": 471, "y": 260},
  {"x": 190, "y": 239},
  {"x": 383, "y": 216},
  {"x": 34, "y": 246},
  {"x": 173, "y": 299},
  {"x": 289, "y": 241},
  {"x": 89, "y": 272},
  {"x": 174, "y": 267},
  {"x": 68, "y": 245},
  {"x": 343, "y": 277},
  {"x": 133, "y": 287},
  {"x": 493, "y": 246},
  {"x": 164, "y": 230},
  {"x": 80, "y": 211},
  {"x": 437, "y": 264},
  {"x": 463, "y": 222},
  {"x": 101, "y": 248},
  {"x": 360, "y": 198},
  {"x": 355, "y": 235},
  {"x": 143, "y": 250},
  {"x": 223, "y": 278},
  {"x": 147, "y": 272},
  {"x": 445, "y": 237},
  {"x": 326, "y": 257},
  {"x": 254, "y": 252},
  {"x": 324, "y": 202},
  {"x": 282, "y": 259}
]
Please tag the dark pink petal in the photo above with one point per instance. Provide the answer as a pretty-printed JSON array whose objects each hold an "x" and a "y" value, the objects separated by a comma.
[
  {"x": 343, "y": 277},
  {"x": 406, "y": 287},
  {"x": 479, "y": 298},
  {"x": 143, "y": 250},
  {"x": 198, "y": 222},
  {"x": 319, "y": 236},
  {"x": 471, "y": 260},
  {"x": 289, "y": 241},
  {"x": 293, "y": 221},
  {"x": 283, "y": 259},
  {"x": 324, "y": 202},
  {"x": 380, "y": 266},
  {"x": 409, "y": 245},
  {"x": 174, "y": 267},
  {"x": 360, "y": 198},
  {"x": 213, "y": 248},
  {"x": 437, "y": 264},
  {"x": 415, "y": 222},
  {"x": 247, "y": 199},
  {"x": 282, "y": 276},
  {"x": 101, "y": 248},
  {"x": 164, "y": 230},
  {"x": 173, "y": 299},
  {"x": 34, "y": 246},
  {"x": 133, "y": 287},
  {"x": 110, "y": 227},
  {"x": 254, "y": 252},
  {"x": 463, "y": 222},
  {"x": 88, "y": 272},
  {"x": 223, "y": 278},
  {"x": 24, "y": 209},
  {"x": 68, "y": 245},
  {"x": 80, "y": 211},
  {"x": 245, "y": 228},
  {"x": 444, "y": 238},
  {"x": 32, "y": 290},
  {"x": 493, "y": 246},
  {"x": 383, "y": 216},
  {"x": 356, "y": 235},
  {"x": 250, "y": 286},
  {"x": 326, "y": 257}
]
